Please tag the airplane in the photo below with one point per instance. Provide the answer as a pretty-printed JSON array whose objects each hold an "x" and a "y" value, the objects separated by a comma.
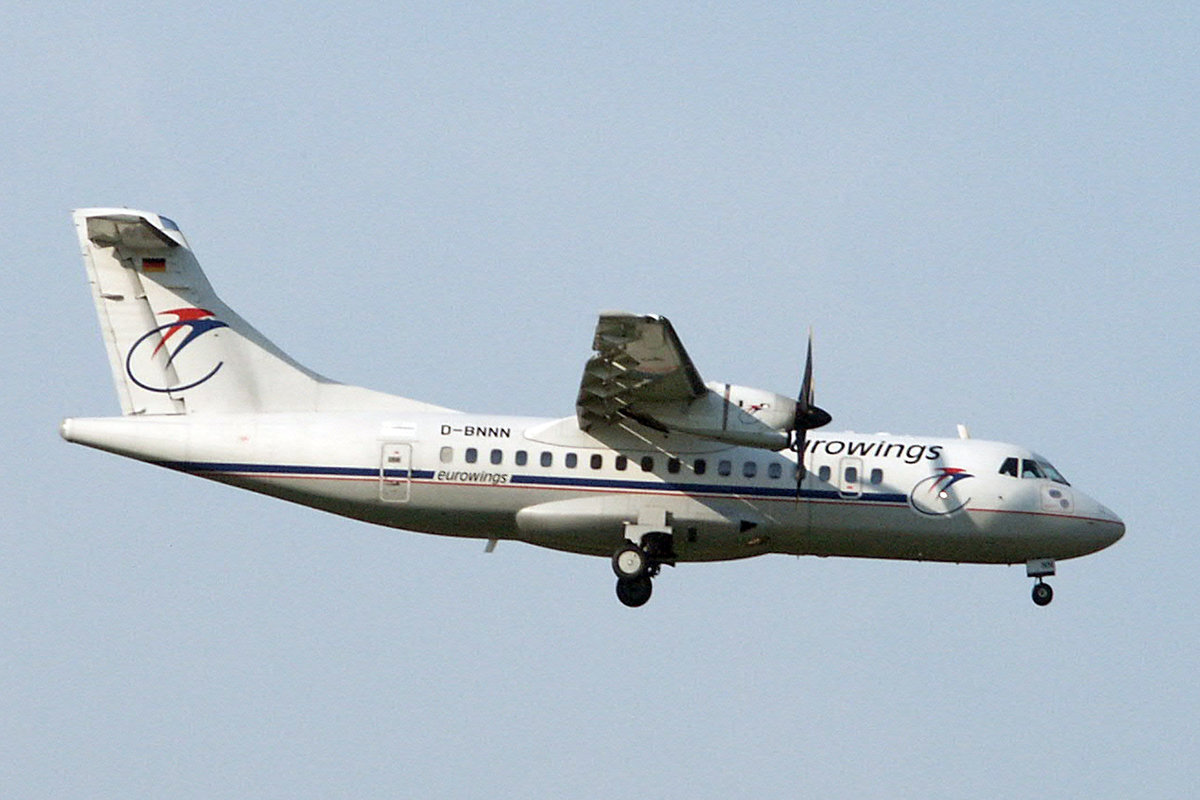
[{"x": 656, "y": 467}]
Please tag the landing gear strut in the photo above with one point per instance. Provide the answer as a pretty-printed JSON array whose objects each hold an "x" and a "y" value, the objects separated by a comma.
[
  {"x": 635, "y": 565},
  {"x": 1041, "y": 568}
]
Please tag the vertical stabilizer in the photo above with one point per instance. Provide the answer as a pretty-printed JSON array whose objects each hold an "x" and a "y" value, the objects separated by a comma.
[{"x": 174, "y": 346}]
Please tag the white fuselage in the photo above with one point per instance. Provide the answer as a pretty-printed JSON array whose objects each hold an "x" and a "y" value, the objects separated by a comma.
[{"x": 548, "y": 483}]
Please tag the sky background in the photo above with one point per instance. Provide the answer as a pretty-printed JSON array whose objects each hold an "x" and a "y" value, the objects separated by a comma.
[{"x": 988, "y": 213}]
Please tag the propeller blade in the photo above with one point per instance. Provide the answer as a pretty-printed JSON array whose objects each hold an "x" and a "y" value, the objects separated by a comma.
[{"x": 808, "y": 416}]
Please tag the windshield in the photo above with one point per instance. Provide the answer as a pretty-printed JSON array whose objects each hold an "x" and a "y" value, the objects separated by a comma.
[
  {"x": 1052, "y": 473},
  {"x": 1031, "y": 468}
]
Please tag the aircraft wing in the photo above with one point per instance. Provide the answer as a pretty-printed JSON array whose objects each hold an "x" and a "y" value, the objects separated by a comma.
[{"x": 638, "y": 359}]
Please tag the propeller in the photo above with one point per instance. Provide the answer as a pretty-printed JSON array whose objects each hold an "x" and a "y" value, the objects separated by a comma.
[{"x": 808, "y": 416}]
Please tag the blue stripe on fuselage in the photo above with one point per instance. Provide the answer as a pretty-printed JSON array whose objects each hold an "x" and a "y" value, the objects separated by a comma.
[{"x": 546, "y": 481}]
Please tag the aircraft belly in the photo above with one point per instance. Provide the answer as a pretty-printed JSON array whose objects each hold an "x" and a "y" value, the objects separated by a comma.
[
  {"x": 595, "y": 523},
  {"x": 977, "y": 535}
]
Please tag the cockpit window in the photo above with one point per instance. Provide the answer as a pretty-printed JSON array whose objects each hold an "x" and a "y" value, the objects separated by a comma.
[
  {"x": 1052, "y": 473},
  {"x": 1031, "y": 468}
]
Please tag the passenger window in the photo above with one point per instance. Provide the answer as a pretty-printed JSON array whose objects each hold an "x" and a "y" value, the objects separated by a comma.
[
  {"x": 749, "y": 469},
  {"x": 824, "y": 473},
  {"x": 621, "y": 463},
  {"x": 472, "y": 455},
  {"x": 597, "y": 461},
  {"x": 876, "y": 477},
  {"x": 647, "y": 464},
  {"x": 700, "y": 467},
  {"x": 547, "y": 458},
  {"x": 673, "y": 466},
  {"x": 447, "y": 455},
  {"x": 497, "y": 456},
  {"x": 571, "y": 460},
  {"x": 851, "y": 474},
  {"x": 724, "y": 468},
  {"x": 1009, "y": 467},
  {"x": 774, "y": 470},
  {"x": 522, "y": 458}
]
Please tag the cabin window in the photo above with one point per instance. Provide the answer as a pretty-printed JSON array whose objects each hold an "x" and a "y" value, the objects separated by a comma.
[
  {"x": 700, "y": 466},
  {"x": 774, "y": 470},
  {"x": 571, "y": 460},
  {"x": 851, "y": 474},
  {"x": 673, "y": 466},
  {"x": 876, "y": 476},
  {"x": 597, "y": 461},
  {"x": 1009, "y": 467},
  {"x": 522, "y": 458},
  {"x": 749, "y": 469},
  {"x": 547, "y": 458},
  {"x": 497, "y": 456},
  {"x": 724, "y": 468},
  {"x": 647, "y": 464},
  {"x": 446, "y": 455},
  {"x": 472, "y": 455},
  {"x": 825, "y": 473},
  {"x": 621, "y": 462}
]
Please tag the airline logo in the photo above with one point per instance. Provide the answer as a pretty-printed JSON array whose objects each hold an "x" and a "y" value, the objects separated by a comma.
[
  {"x": 196, "y": 322},
  {"x": 933, "y": 496}
]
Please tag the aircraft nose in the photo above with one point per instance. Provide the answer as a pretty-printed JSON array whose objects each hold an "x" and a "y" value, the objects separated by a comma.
[
  {"x": 1118, "y": 526},
  {"x": 1114, "y": 526}
]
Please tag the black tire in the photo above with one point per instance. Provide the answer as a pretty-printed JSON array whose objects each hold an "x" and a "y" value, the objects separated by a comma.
[
  {"x": 636, "y": 592},
  {"x": 1042, "y": 594},
  {"x": 629, "y": 562}
]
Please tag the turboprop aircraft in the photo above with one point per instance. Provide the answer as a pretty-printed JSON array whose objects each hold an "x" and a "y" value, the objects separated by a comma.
[{"x": 655, "y": 467}]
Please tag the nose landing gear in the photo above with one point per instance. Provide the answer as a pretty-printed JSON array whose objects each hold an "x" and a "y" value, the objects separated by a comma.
[{"x": 1040, "y": 568}]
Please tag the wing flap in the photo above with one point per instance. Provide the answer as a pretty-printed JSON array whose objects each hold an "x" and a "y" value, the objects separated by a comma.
[{"x": 638, "y": 358}]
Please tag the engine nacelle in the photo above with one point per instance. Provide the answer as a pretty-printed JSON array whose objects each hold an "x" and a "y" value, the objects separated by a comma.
[{"x": 738, "y": 415}]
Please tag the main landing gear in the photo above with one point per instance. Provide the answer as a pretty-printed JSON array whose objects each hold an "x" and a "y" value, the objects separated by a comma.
[
  {"x": 1041, "y": 568},
  {"x": 635, "y": 566}
]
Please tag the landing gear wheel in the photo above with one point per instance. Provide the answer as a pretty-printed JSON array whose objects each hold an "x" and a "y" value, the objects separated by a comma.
[
  {"x": 630, "y": 563},
  {"x": 1042, "y": 593},
  {"x": 635, "y": 592}
]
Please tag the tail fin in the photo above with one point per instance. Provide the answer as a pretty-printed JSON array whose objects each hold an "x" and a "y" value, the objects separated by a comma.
[{"x": 174, "y": 347}]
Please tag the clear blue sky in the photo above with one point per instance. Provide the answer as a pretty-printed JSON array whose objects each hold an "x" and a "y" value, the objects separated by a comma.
[{"x": 988, "y": 213}]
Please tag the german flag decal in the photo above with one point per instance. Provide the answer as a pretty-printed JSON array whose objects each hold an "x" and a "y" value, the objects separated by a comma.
[{"x": 154, "y": 265}]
